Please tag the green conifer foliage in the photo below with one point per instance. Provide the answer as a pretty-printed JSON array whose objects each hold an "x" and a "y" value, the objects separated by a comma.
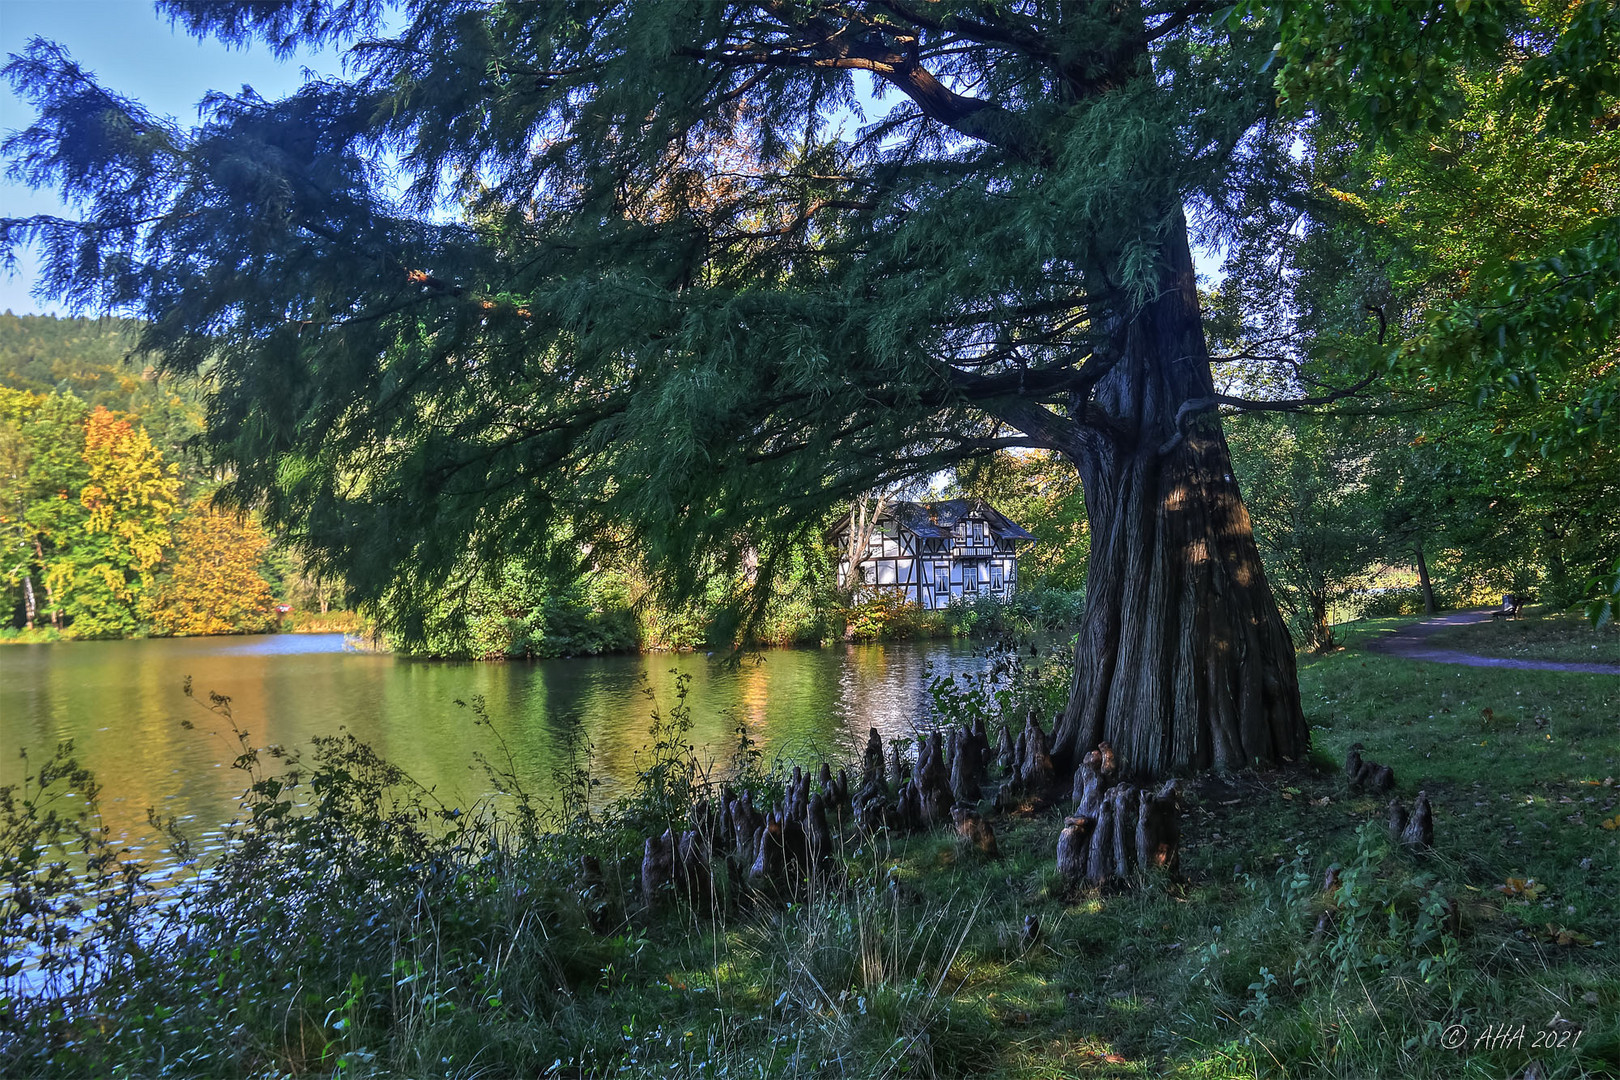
[{"x": 543, "y": 270}]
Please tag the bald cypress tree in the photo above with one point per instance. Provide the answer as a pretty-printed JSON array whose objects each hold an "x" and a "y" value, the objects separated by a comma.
[{"x": 688, "y": 275}]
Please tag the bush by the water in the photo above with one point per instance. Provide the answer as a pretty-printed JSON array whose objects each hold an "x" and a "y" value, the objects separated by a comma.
[{"x": 1027, "y": 613}]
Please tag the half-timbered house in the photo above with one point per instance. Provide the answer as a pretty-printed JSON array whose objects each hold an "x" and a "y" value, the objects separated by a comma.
[{"x": 936, "y": 552}]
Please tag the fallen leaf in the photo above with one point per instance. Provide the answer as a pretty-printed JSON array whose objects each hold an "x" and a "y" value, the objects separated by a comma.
[
  {"x": 1560, "y": 935},
  {"x": 1521, "y": 888}
]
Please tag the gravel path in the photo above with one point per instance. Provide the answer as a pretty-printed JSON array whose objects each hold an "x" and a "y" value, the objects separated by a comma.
[{"x": 1411, "y": 643}]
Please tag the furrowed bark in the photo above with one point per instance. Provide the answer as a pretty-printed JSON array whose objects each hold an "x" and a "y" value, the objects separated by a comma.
[{"x": 1183, "y": 660}]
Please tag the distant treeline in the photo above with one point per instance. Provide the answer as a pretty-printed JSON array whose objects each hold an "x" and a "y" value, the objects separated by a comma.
[{"x": 107, "y": 531}]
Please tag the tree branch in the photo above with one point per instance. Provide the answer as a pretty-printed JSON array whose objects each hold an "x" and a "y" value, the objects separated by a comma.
[{"x": 1197, "y": 405}]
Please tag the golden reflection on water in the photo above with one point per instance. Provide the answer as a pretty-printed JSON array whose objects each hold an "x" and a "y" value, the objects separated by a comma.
[{"x": 122, "y": 703}]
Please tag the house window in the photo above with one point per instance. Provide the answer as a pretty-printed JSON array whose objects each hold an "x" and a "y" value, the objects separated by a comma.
[
  {"x": 970, "y": 578},
  {"x": 978, "y": 534},
  {"x": 942, "y": 579},
  {"x": 995, "y": 577}
]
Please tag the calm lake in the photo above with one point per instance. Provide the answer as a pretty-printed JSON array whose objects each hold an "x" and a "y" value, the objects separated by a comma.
[{"x": 122, "y": 704}]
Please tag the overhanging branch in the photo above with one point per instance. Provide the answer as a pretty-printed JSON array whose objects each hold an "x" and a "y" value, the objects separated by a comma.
[{"x": 1194, "y": 406}]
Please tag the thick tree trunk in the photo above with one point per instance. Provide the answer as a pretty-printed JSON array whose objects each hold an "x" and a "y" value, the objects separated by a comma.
[
  {"x": 30, "y": 608},
  {"x": 1423, "y": 580},
  {"x": 1183, "y": 661}
]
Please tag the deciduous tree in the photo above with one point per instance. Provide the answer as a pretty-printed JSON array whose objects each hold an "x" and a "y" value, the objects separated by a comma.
[
  {"x": 103, "y": 579},
  {"x": 214, "y": 584},
  {"x": 42, "y": 471}
]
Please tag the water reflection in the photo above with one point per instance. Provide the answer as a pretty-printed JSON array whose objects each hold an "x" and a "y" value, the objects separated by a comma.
[{"x": 122, "y": 703}]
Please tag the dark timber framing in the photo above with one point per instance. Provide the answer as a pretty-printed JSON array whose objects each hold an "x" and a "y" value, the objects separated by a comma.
[{"x": 933, "y": 553}]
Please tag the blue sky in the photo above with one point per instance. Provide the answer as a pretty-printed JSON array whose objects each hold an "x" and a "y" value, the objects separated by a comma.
[{"x": 134, "y": 51}]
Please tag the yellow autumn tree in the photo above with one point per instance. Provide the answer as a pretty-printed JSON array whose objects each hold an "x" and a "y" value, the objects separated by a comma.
[
  {"x": 215, "y": 585},
  {"x": 103, "y": 580}
]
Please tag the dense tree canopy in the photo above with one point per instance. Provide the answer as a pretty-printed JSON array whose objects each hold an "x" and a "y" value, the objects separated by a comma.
[{"x": 692, "y": 275}]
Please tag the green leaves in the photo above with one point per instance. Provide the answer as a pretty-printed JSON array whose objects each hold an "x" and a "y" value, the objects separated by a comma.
[
  {"x": 1386, "y": 67},
  {"x": 1540, "y": 327}
]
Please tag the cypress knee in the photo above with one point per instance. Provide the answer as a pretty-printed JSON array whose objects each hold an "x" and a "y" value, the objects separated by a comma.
[
  {"x": 933, "y": 778},
  {"x": 1006, "y": 757},
  {"x": 1088, "y": 790},
  {"x": 1352, "y": 765},
  {"x": 1073, "y": 845},
  {"x": 1396, "y": 819},
  {"x": 1124, "y": 798},
  {"x": 767, "y": 871},
  {"x": 872, "y": 764},
  {"x": 1098, "y": 855},
  {"x": 801, "y": 798},
  {"x": 975, "y": 831},
  {"x": 818, "y": 835},
  {"x": 876, "y": 787},
  {"x": 790, "y": 794},
  {"x": 908, "y": 810},
  {"x": 967, "y": 768},
  {"x": 1037, "y": 772},
  {"x": 796, "y": 842},
  {"x": 900, "y": 768},
  {"x": 869, "y": 812},
  {"x": 1419, "y": 831},
  {"x": 692, "y": 860},
  {"x": 1158, "y": 832},
  {"x": 936, "y": 805},
  {"x": 657, "y": 867},
  {"x": 981, "y": 738}
]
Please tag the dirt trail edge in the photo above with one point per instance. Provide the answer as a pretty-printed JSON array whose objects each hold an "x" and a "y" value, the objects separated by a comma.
[{"x": 1411, "y": 643}]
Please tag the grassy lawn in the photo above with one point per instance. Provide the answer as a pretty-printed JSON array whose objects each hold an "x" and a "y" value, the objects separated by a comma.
[{"x": 1539, "y": 635}]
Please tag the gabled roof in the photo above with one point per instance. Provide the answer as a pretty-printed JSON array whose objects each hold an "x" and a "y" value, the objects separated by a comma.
[{"x": 935, "y": 520}]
